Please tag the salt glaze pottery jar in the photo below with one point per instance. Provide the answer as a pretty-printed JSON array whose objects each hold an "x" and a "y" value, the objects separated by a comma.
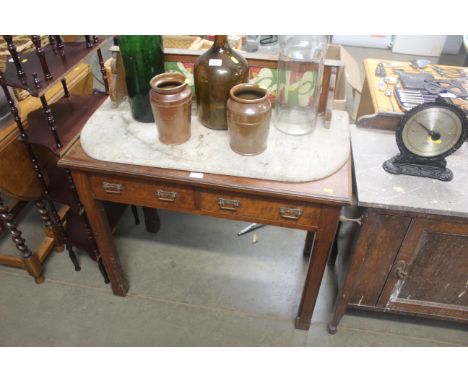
[
  {"x": 215, "y": 73},
  {"x": 248, "y": 118},
  {"x": 171, "y": 103}
]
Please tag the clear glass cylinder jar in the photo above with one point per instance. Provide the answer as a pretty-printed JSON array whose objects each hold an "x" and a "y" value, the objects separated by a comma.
[{"x": 300, "y": 72}]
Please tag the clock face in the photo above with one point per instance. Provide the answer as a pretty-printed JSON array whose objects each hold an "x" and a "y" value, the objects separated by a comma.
[{"x": 432, "y": 131}]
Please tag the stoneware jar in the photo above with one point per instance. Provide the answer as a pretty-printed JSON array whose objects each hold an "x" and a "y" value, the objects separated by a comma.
[
  {"x": 171, "y": 102},
  {"x": 248, "y": 117}
]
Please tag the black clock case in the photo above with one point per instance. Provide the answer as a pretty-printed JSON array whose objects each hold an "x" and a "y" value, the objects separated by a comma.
[{"x": 435, "y": 167}]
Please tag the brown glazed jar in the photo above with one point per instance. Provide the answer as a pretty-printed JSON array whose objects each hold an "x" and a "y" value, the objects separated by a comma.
[
  {"x": 216, "y": 72},
  {"x": 248, "y": 117},
  {"x": 171, "y": 103}
]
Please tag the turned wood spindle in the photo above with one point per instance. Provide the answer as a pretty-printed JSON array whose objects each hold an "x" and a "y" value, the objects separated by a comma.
[
  {"x": 65, "y": 87},
  {"x": 89, "y": 42},
  {"x": 56, "y": 221},
  {"x": 13, "y": 109},
  {"x": 42, "y": 209},
  {"x": 103, "y": 70},
  {"x": 73, "y": 188},
  {"x": 60, "y": 44},
  {"x": 36, "y": 82},
  {"x": 135, "y": 214},
  {"x": 36, "y": 39},
  {"x": 14, "y": 55},
  {"x": 16, "y": 235},
  {"x": 51, "y": 121},
  {"x": 89, "y": 231},
  {"x": 103, "y": 271},
  {"x": 53, "y": 43}
]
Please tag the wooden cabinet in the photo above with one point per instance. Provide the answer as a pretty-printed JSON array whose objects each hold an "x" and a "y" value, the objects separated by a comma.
[
  {"x": 407, "y": 263},
  {"x": 430, "y": 274}
]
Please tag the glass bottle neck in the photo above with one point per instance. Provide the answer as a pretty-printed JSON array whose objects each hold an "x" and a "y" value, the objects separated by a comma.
[{"x": 221, "y": 43}]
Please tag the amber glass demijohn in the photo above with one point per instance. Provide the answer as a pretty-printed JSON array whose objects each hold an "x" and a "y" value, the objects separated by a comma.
[{"x": 216, "y": 72}]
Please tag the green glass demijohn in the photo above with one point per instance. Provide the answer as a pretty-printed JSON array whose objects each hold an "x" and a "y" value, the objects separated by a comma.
[{"x": 143, "y": 58}]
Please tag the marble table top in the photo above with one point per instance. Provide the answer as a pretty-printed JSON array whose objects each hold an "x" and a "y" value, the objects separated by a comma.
[
  {"x": 111, "y": 134},
  {"x": 379, "y": 189}
]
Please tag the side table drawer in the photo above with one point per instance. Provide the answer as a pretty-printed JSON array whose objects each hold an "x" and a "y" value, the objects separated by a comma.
[
  {"x": 141, "y": 192},
  {"x": 287, "y": 213}
]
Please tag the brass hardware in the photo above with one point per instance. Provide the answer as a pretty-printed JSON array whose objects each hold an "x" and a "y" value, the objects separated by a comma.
[
  {"x": 354, "y": 220},
  {"x": 227, "y": 204},
  {"x": 290, "y": 213},
  {"x": 400, "y": 272},
  {"x": 112, "y": 188},
  {"x": 166, "y": 196}
]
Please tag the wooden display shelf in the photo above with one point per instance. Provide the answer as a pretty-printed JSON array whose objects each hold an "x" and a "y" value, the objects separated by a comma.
[
  {"x": 59, "y": 188},
  {"x": 59, "y": 66},
  {"x": 70, "y": 115},
  {"x": 76, "y": 229}
]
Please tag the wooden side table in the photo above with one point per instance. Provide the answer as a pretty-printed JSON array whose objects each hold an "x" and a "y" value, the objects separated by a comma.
[
  {"x": 311, "y": 206},
  {"x": 409, "y": 254}
]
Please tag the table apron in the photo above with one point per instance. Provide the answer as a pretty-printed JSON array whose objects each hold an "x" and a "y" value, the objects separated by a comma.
[{"x": 269, "y": 210}]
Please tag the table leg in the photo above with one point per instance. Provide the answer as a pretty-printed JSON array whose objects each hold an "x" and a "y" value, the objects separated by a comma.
[
  {"x": 318, "y": 259},
  {"x": 30, "y": 260},
  {"x": 309, "y": 242},
  {"x": 334, "y": 250},
  {"x": 15, "y": 209},
  {"x": 358, "y": 252},
  {"x": 103, "y": 235},
  {"x": 152, "y": 222}
]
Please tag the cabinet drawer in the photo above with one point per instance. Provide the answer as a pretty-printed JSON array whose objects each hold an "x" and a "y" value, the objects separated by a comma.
[
  {"x": 141, "y": 192},
  {"x": 287, "y": 213}
]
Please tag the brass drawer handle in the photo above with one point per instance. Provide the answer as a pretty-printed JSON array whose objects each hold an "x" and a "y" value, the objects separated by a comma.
[
  {"x": 166, "y": 196},
  {"x": 291, "y": 213},
  {"x": 227, "y": 204},
  {"x": 112, "y": 188}
]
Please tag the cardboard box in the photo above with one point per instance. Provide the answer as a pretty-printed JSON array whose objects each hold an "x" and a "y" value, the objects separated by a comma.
[{"x": 349, "y": 73}]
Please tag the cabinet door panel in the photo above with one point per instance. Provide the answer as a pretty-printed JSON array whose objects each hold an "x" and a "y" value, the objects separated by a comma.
[
  {"x": 383, "y": 238},
  {"x": 430, "y": 274}
]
